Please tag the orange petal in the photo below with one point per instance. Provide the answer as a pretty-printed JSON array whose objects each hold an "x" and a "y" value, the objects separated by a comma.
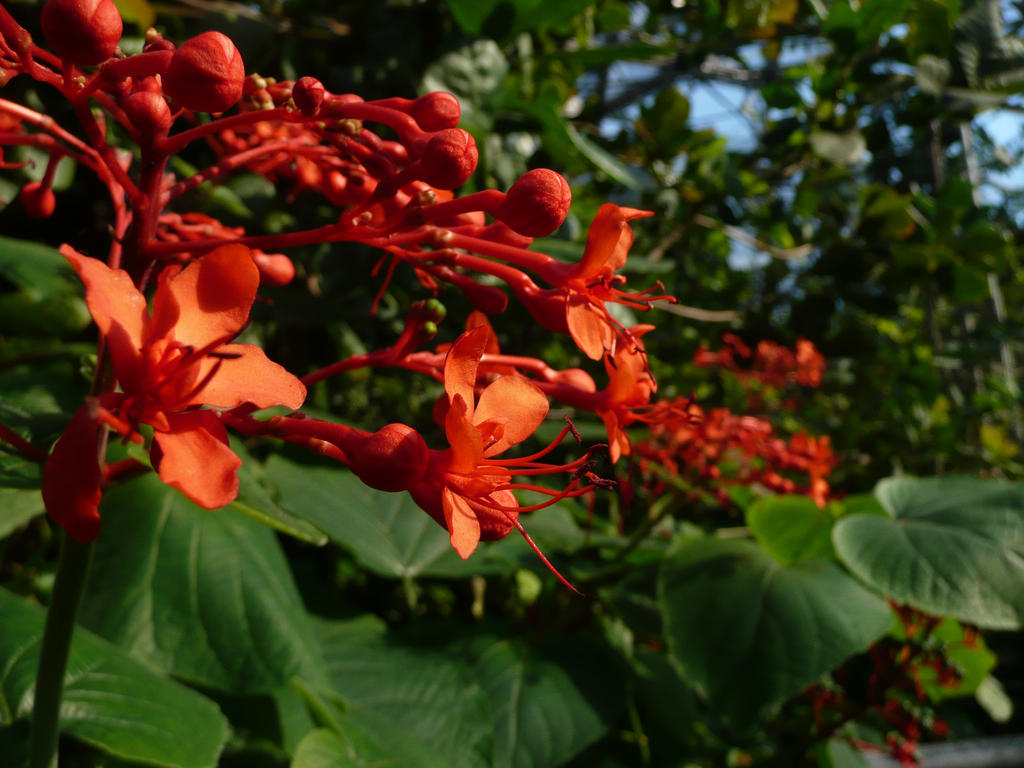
[
  {"x": 194, "y": 458},
  {"x": 209, "y": 300},
  {"x": 461, "y": 363},
  {"x": 462, "y": 523},
  {"x": 494, "y": 523},
  {"x": 71, "y": 479},
  {"x": 589, "y": 329},
  {"x": 463, "y": 437},
  {"x": 618, "y": 440},
  {"x": 609, "y": 239},
  {"x": 119, "y": 310},
  {"x": 627, "y": 377},
  {"x": 477, "y": 319},
  {"x": 248, "y": 378},
  {"x": 519, "y": 402}
]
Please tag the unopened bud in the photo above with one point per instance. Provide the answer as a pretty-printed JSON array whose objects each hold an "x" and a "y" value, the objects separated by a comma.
[
  {"x": 436, "y": 111},
  {"x": 82, "y": 31},
  {"x": 448, "y": 159},
  {"x": 37, "y": 200},
  {"x": 308, "y": 94},
  {"x": 206, "y": 73},
  {"x": 275, "y": 268},
  {"x": 148, "y": 112},
  {"x": 537, "y": 204}
]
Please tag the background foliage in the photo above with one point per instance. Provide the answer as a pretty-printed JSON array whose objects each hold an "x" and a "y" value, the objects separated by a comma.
[{"x": 861, "y": 188}]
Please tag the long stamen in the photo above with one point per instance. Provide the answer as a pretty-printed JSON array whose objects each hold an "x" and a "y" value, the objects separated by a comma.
[{"x": 538, "y": 553}]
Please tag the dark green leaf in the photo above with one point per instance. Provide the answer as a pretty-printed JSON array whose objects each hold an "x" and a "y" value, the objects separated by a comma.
[
  {"x": 750, "y": 633},
  {"x": 254, "y": 500},
  {"x": 205, "y": 595},
  {"x": 547, "y": 704},
  {"x": 112, "y": 702},
  {"x": 417, "y": 705},
  {"x": 48, "y": 296}
]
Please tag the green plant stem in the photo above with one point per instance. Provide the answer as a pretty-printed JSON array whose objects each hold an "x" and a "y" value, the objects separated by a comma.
[{"x": 72, "y": 572}]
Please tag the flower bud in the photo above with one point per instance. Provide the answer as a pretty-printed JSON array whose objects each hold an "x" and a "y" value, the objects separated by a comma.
[
  {"x": 393, "y": 458},
  {"x": 275, "y": 268},
  {"x": 206, "y": 74},
  {"x": 448, "y": 159},
  {"x": 148, "y": 113},
  {"x": 436, "y": 111},
  {"x": 37, "y": 200},
  {"x": 308, "y": 94},
  {"x": 536, "y": 205},
  {"x": 82, "y": 31}
]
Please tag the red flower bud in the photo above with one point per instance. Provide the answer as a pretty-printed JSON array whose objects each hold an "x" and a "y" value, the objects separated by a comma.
[
  {"x": 206, "y": 73},
  {"x": 308, "y": 94},
  {"x": 436, "y": 111},
  {"x": 37, "y": 200},
  {"x": 448, "y": 159},
  {"x": 82, "y": 31},
  {"x": 148, "y": 112},
  {"x": 536, "y": 205},
  {"x": 275, "y": 268},
  {"x": 393, "y": 458}
]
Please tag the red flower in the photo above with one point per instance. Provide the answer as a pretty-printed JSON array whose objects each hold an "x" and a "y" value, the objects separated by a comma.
[
  {"x": 466, "y": 488},
  {"x": 475, "y": 501},
  {"x": 593, "y": 281},
  {"x": 168, "y": 363}
]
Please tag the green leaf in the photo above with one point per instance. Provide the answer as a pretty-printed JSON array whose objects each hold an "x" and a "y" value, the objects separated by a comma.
[
  {"x": 110, "y": 701},
  {"x": 791, "y": 528},
  {"x": 609, "y": 54},
  {"x": 47, "y": 296},
  {"x": 204, "y": 595},
  {"x": 470, "y": 14},
  {"x": 952, "y": 547},
  {"x": 420, "y": 706},
  {"x": 666, "y": 696},
  {"x": 386, "y": 532},
  {"x": 323, "y": 748},
  {"x": 836, "y": 753},
  {"x": 548, "y": 704},
  {"x": 750, "y": 633},
  {"x": 606, "y": 161},
  {"x": 20, "y": 499},
  {"x": 254, "y": 500}
]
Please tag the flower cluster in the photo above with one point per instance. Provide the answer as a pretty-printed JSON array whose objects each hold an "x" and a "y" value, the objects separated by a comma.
[
  {"x": 176, "y": 287},
  {"x": 711, "y": 450},
  {"x": 719, "y": 448},
  {"x": 893, "y": 693},
  {"x": 770, "y": 365}
]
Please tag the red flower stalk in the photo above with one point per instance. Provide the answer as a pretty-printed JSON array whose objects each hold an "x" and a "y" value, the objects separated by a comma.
[
  {"x": 576, "y": 303},
  {"x": 168, "y": 363}
]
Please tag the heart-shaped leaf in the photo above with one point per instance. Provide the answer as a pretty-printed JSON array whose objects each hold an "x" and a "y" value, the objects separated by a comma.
[
  {"x": 750, "y": 633},
  {"x": 952, "y": 547}
]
